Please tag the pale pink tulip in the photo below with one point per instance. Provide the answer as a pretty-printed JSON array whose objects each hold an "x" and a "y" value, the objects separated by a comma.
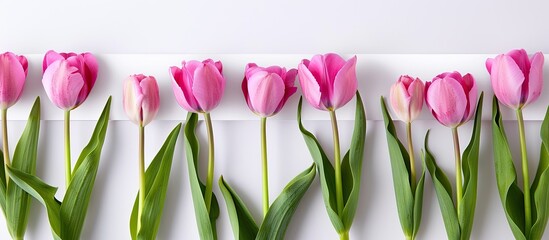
[
  {"x": 328, "y": 81},
  {"x": 406, "y": 98},
  {"x": 266, "y": 90},
  {"x": 452, "y": 98},
  {"x": 516, "y": 79},
  {"x": 68, "y": 78},
  {"x": 198, "y": 86},
  {"x": 13, "y": 72},
  {"x": 141, "y": 98}
]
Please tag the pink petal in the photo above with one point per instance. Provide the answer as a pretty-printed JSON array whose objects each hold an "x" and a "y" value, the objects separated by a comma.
[
  {"x": 24, "y": 63},
  {"x": 182, "y": 89},
  {"x": 447, "y": 101},
  {"x": 345, "y": 84},
  {"x": 266, "y": 91},
  {"x": 191, "y": 66},
  {"x": 289, "y": 78},
  {"x": 62, "y": 84},
  {"x": 151, "y": 99},
  {"x": 12, "y": 79},
  {"x": 470, "y": 89},
  {"x": 489, "y": 63},
  {"x": 310, "y": 87},
  {"x": 400, "y": 101},
  {"x": 50, "y": 57},
  {"x": 415, "y": 91},
  {"x": 244, "y": 87},
  {"x": 334, "y": 63},
  {"x": 133, "y": 99},
  {"x": 317, "y": 67},
  {"x": 521, "y": 59},
  {"x": 535, "y": 79},
  {"x": 507, "y": 79},
  {"x": 208, "y": 87}
]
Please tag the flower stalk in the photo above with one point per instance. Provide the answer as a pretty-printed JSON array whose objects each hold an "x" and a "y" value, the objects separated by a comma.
[
  {"x": 337, "y": 164},
  {"x": 68, "y": 165},
  {"x": 525, "y": 174},
  {"x": 265, "y": 166},
  {"x": 412, "y": 157},
  {"x": 209, "y": 179},
  {"x": 142, "y": 189},
  {"x": 5, "y": 145},
  {"x": 459, "y": 182}
]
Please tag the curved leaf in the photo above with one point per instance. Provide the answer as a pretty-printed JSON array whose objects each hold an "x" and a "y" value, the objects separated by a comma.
[
  {"x": 205, "y": 221},
  {"x": 281, "y": 211},
  {"x": 443, "y": 190},
  {"x": 506, "y": 176},
  {"x": 540, "y": 186},
  {"x": 76, "y": 200},
  {"x": 418, "y": 203},
  {"x": 2, "y": 184},
  {"x": 24, "y": 160},
  {"x": 242, "y": 221},
  {"x": 325, "y": 170},
  {"x": 470, "y": 176}
]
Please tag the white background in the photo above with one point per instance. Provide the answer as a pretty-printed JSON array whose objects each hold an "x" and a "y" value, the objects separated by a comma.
[{"x": 162, "y": 33}]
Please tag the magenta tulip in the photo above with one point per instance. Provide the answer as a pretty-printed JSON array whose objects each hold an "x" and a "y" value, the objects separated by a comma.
[
  {"x": 451, "y": 98},
  {"x": 13, "y": 72},
  {"x": 516, "y": 79},
  {"x": 406, "y": 98},
  {"x": 266, "y": 90},
  {"x": 198, "y": 86},
  {"x": 68, "y": 78},
  {"x": 328, "y": 81},
  {"x": 141, "y": 98}
]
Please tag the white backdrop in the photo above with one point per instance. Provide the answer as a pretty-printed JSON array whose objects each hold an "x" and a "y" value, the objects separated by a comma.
[{"x": 225, "y": 30}]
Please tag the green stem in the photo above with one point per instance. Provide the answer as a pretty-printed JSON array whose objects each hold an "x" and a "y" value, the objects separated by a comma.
[
  {"x": 344, "y": 235},
  {"x": 409, "y": 238},
  {"x": 68, "y": 165},
  {"x": 412, "y": 157},
  {"x": 142, "y": 189},
  {"x": 525, "y": 174},
  {"x": 337, "y": 163},
  {"x": 5, "y": 143},
  {"x": 459, "y": 182},
  {"x": 209, "y": 180},
  {"x": 264, "y": 166}
]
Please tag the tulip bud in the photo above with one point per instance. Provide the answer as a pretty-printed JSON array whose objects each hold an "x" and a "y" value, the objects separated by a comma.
[
  {"x": 406, "y": 98},
  {"x": 451, "y": 98},
  {"x": 141, "y": 98},
  {"x": 266, "y": 90},
  {"x": 198, "y": 86},
  {"x": 13, "y": 72},
  {"x": 328, "y": 81},
  {"x": 516, "y": 79},
  {"x": 68, "y": 78}
]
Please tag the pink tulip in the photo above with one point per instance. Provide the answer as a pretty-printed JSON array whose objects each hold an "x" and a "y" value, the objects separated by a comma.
[
  {"x": 13, "y": 72},
  {"x": 451, "y": 98},
  {"x": 328, "y": 81},
  {"x": 68, "y": 78},
  {"x": 198, "y": 86},
  {"x": 267, "y": 89},
  {"x": 516, "y": 79},
  {"x": 141, "y": 98},
  {"x": 406, "y": 98}
]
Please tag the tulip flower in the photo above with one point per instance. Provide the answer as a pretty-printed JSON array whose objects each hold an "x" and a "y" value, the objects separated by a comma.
[
  {"x": 198, "y": 88},
  {"x": 328, "y": 81},
  {"x": 266, "y": 90},
  {"x": 141, "y": 102},
  {"x": 451, "y": 98},
  {"x": 68, "y": 79},
  {"x": 516, "y": 79}
]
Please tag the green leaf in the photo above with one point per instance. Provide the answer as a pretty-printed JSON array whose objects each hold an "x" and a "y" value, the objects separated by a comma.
[
  {"x": 443, "y": 191},
  {"x": 400, "y": 161},
  {"x": 42, "y": 192},
  {"x": 281, "y": 211},
  {"x": 506, "y": 176},
  {"x": 418, "y": 203},
  {"x": 540, "y": 186},
  {"x": 470, "y": 176},
  {"x": 24, "y": 160},
  {"x": 76, "y": 200},
  {"x": 156, "y": 186},
  {"x": 242, "y": 221},
  {"x": 326, "y": 172},
  {"x": 205, "y": 221},
  {"x": 351, "y": 167},
  {"x": 2, "y": 184}
]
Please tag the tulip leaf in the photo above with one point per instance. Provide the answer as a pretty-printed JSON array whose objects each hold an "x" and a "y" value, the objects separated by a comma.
[
  {"x": 409, "y": 203},
  {"x": 76, "y": 200},
  {"x": 24, "y": 160},
  {"x": 511, "y": 195},
  {"x": 326, "y": 173},
  {"x": 443, "y": 190},
  {"x": 540, "y": 186},
  {"x": 157, "y": 177},
  {"x": 242, "y": 221},
  {"x": 206, "y": 221},
  {"x": 42, "y": 192},
  {"x": 469, "y": 163},
  {"x": 281, "y": 211},
  {"x": 2, "y": 183}
]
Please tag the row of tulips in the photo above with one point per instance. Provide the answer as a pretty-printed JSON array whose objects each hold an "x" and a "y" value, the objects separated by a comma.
[{"x": 328, "y": 82}]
